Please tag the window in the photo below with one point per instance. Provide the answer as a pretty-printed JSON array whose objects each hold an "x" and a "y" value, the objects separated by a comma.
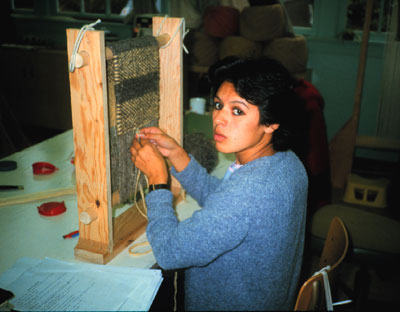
[
  {"x": 95, "y": 6},
  {"x": 104, "y": 9},
  {"x": 37, "y": 24},
  {"x": 23, "y": 4},
  {"x": 110, "y": 9},
  {"x": 338, "y": 19},
  {"x": 356, "y": 16},
  {"x": 300, "y": 12}
]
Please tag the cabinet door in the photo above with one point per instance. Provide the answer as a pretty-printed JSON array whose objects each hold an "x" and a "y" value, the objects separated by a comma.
[{"x": 37, "y": 86}]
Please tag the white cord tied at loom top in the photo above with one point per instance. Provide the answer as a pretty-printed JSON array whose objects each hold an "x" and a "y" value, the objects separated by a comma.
[
  {"x": 184, "y": 33},
  {"x": 78, "y": 42},
  {"x": 91, "y": 27}
]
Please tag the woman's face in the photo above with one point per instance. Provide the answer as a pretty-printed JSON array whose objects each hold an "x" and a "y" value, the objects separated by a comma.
[{"x": 236, "y": 126}]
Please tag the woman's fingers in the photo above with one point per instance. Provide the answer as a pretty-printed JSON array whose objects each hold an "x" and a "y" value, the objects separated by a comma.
[
  {"x": 148, "y": 130},
  {"x": 154, "y": 134},
  {"x": 133, "y": 154},
  {"x": 147, "y": 158},
  {"x": 153, "y": 137},
  {"x": 136, "y": 144},
  {"x": 142, "y": 151}
]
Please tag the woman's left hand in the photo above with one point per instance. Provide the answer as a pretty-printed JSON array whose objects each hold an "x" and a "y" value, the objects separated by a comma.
[{"x": 148, "y": 159}]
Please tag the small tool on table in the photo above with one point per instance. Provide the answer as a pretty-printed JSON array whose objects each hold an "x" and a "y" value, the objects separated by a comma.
[
  {"x": 71, "y": 235},
  {"x": 8, "y": 165},
  {"x": 11, "y": 187}
]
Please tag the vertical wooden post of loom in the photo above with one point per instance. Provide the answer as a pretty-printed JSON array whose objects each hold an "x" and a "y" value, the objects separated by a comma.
[
  {"x": 88, "y": 88},
  {"x": 171, "y": 84}
]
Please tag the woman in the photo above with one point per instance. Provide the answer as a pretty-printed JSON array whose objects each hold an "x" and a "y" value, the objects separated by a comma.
[{"x": 243, "y": 249}]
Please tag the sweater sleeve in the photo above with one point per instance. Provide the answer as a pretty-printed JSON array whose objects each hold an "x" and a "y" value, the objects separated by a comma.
[
  {"x": 256, "y": 203},
  {"x": 197, "y": 241},
  {"x": 204, "y": 183}
]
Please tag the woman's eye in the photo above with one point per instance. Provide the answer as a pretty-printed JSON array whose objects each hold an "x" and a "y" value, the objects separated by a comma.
[
  {"x": 237, "y": 112},
  {"x": 217, "y": 105}
]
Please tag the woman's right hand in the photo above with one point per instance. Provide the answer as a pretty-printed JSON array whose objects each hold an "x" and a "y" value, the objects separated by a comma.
[{"x": 167, "y": 146}]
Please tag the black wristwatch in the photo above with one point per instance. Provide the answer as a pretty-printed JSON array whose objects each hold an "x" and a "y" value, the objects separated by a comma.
[{"x": 154, "y": 187}]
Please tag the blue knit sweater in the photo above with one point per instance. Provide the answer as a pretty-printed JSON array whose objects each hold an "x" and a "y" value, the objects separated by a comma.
[{"x": 243, "y": 250}]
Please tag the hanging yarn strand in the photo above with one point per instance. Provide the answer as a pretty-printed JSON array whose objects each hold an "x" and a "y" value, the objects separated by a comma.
[
  {"x": 138, "y": 174},
  {"x": 138, "y": 184},
  {"x": 78, "y": 40},
  {"x": 144, "y": 214}
]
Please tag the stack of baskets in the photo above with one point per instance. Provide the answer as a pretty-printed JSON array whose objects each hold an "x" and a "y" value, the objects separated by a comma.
[{"x": 258, "y": 30}]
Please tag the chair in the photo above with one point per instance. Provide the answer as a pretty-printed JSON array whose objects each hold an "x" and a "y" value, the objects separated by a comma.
[
  {"x": 372, "y": 246},
  {"x": 312, "y": 293}
]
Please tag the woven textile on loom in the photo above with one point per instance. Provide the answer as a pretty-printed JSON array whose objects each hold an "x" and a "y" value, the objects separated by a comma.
[{"x": 133, "y": 98}]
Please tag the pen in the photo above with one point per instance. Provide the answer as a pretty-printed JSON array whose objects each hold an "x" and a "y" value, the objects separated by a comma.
[
  {"x": 71, "y": 235},
  {"x": 11, "y": 187}
]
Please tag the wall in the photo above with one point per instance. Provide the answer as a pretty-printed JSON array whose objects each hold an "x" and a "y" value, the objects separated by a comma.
[
  {"x": 333, "y": 61},
  {"x": 334, "y": 68},
  {"x": 36, "y": 66},
  {"x": 37, "y": 86}
]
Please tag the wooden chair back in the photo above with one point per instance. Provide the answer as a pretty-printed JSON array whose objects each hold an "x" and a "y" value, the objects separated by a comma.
[{"x": 312, "y": 293}]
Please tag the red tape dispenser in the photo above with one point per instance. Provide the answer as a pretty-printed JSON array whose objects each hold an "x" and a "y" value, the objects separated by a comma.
[
  {"x": 43, "y": 168},
  {"x": 52, "y": 209}
]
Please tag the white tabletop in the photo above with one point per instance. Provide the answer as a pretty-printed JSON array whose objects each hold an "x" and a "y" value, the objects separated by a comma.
[{"x": 25, "y": 233}]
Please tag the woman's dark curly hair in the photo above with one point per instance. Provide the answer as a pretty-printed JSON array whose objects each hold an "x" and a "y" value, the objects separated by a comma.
[{"x": 267, "y": 84}]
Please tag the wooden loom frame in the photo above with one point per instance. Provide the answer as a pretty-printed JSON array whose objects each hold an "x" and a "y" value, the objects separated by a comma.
[{"x": 100, "y": 236}]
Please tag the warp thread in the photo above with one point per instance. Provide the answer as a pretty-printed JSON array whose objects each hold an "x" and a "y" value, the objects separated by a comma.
[{"x": 133, "y": 83}]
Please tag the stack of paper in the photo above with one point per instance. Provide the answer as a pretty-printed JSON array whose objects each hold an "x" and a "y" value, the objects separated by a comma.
[{"x": 53, "y": 285}]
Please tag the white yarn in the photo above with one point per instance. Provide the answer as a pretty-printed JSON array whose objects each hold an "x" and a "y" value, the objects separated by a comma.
[
  {"x": 328, "y": 295},
  {"x": 184, "y": 33},
  {"x": 78, "y": 42}
]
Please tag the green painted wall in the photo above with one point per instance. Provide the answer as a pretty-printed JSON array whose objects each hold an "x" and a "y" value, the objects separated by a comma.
[
  {"x": 333, "y": 61},
  {"x": 334, "y": 68}
]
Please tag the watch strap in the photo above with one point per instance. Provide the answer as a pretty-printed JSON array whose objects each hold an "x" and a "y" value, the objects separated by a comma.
[{"x": 154, "y": 187}]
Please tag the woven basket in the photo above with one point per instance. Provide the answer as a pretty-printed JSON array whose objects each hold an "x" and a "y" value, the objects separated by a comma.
[
  {"x": 203, "y": 49},
  {"x": 290, "y": 51},
  {"x": 221, "y": 21},
  {"x": 239, "y": 46},
  {"x": 262, "y": 23}
]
